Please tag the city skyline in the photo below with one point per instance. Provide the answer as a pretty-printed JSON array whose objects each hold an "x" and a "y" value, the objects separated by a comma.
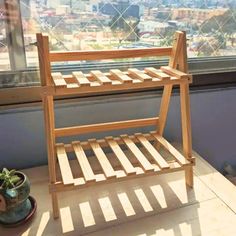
[{"x": 103, "y": 24}]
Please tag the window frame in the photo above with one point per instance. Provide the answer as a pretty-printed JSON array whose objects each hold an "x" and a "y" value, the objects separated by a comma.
[
  {"x": 207, "y": 77},
  {"x": 207, "y": 72}
]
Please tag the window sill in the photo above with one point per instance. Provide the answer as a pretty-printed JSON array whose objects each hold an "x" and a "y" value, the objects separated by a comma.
[{"x": 22, "y": 87}]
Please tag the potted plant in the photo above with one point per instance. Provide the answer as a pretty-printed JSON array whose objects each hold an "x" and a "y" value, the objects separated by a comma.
[{"x": 15, "y": 204}]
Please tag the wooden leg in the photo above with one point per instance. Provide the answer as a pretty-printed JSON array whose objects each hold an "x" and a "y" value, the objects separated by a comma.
[
  {"x": 165, "y": 101},
  {"x": 55, "y": 206},
  {"x": 189, "y": 176},
  {"x": 50, "y": 135},
  {"x": 186, "y": 130}
]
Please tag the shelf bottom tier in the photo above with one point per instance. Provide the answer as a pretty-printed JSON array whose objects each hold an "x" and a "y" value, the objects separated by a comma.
[{"x": 116, "y": 159}]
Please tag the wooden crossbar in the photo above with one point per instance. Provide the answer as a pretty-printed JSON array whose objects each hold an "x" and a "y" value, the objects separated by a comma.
[
  {"x": 62, "y": 132},
  {"x": 109, "y": 54}
]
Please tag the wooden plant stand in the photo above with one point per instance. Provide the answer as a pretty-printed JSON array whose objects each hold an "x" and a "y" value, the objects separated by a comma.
[{"x": 54, "y": 84}]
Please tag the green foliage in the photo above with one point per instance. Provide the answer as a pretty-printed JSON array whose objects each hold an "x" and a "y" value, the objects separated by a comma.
[
  {"x": 168, "y": 37},
  {"x": 9, "y": 179},
  {"x": 225, "y": 22},
  {"x": 127, "y": 27}
]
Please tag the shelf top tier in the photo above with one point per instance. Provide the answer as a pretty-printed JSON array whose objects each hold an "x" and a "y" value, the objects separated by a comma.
[{"x": 114, "y": 79}]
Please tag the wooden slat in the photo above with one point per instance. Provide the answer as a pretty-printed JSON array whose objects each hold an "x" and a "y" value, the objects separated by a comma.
[
  {"x": 139, "y": 74},
  {"x": 153, "y": 152},
  {"x": 157, "y": 73},
  {"x": 146, "y": 165},
  {"x": 63, "y": 161},
  {"x": 58, "y": 80},
  {"x": 62, "y": 132},
  {"x": 128, "y": 167},
  {"x": 81, "y": 78},
  {"x": 103, "y": 142},
  {"x": 103, "y": 79},
  {"x": 105, "y": 164},
  {"x": 176, "y": 73},
  {"x": 177, "y": 155},
  {"x": 72, "y": 86},
  {"x": 109, "y": 54},
  {"x": 84, "y": 163},
  {"x": 95, "y": 90},
  {"x": 123, "y": 78}
]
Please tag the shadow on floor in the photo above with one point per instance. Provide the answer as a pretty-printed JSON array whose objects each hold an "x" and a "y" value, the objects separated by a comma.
[{"x": 101, "y": 207}]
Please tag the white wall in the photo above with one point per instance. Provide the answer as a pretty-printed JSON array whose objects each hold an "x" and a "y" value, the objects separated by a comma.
[{"x": 213, "y": 123}]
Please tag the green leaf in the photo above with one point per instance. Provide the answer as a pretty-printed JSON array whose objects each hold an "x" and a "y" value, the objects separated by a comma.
[
  {"x": 12, "y": 172},
  {"x": 15, "y": 179},
  {"x": 5, "y": 171}
]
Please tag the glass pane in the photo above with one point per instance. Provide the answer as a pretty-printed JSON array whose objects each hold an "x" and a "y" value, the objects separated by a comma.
[
  {"x": 97, "y": 24},
  {"x": 116, "y": 24}
]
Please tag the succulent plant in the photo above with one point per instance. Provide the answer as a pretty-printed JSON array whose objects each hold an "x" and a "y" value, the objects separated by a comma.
[{"x": 9, "y": 179}]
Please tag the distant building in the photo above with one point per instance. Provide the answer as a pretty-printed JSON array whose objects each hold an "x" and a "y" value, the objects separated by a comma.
[
  {"x": 151, "y": 26},
  {"x": 53, "y": 3},
  {"x": 196, "y": 14},
  {"x": 62, "y": 10},
  {"x": 119, "y": 7}
]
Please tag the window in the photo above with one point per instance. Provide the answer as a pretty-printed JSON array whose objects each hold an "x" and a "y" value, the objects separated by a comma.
[{"x": 109, "y": 24}]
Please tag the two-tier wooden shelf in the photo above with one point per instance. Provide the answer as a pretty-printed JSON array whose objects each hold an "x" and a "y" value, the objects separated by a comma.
[{"x": 144, "y": 148}]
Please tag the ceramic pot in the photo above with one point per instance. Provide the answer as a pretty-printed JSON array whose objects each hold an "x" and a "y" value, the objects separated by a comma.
[{"x": 14, "y": 202}]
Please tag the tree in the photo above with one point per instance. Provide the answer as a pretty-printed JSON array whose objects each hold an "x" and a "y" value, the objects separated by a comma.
[
  {"x": 224, "y": 23},
  {"x": 119, "y": 23},
  {"x": 127, "y": 27}
]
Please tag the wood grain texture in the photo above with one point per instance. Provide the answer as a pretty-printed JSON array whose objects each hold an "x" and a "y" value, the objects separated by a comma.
[
  {"x": 127, "y": 166},
  {"x": 157, "y": 73},
  {"x": 58, "y": 80},
  {"x": 161, "y": 162},
  {"x": 176, "y": 49},
  {"x": 145, "y": 164},
  {"x": 139, "y": 74},
  {"x": 63, "y": 161},
  {"x": 164, "y": 108},
  {"x": 107, "y": 89},
  {"x": 44, "y": 59},
  {"x": 173, "y": 72},
  {"x": 81, "y": 78},
  {"x": 186, "y": 130},
  {"x": 103, "y": 79},
  {"x": 102, "y": 158},
  {"x": 182, "y": 61},
  {"x": 122, "y": 77},
  {"x": 83, "y": 162},
  {"x": 109, "y": 54},
  {"x": 176, "y": 154},
  {"x": 62, "y": 132}
]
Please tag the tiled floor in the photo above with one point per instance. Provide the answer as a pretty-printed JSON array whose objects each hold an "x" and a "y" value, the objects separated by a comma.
[{"x": 159, "y": 205}]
